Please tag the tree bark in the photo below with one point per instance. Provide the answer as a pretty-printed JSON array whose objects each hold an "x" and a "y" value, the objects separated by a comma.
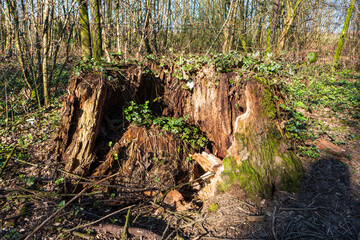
[
  {"x": 84, "y": 30},
  {"x": 274, "y": 20},
  {"x": 46, "y": 50},
  {"x": 97, "y": 31},
  {"x": 291, "y": 11},
  {"x": 12, "y": 11},
  {"x": 343, "y": 34},
  {"x": 228, "y": 29}
]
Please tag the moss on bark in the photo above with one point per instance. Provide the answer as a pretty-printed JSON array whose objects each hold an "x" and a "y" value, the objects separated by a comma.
[{"x": 259, "y": 160}]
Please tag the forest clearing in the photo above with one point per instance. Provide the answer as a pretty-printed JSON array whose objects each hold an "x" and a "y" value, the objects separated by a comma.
[{"x": 188, "y": 119}]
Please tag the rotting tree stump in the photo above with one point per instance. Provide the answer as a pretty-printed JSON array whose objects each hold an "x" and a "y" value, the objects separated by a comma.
[
  {"x": 238, "y": 116},
  {"x": 241, "y": 118},
  {"x": 91, "y": 101}
]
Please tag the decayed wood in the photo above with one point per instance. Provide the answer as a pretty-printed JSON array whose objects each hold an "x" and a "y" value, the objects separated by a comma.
[
  {"x": 147, "y": 156},
  {"x": 329, "y": 147},
  {"x": 115, "y": 229},
  {"x": 87, "y": 101},
  {"x": 208, "y": 162},
  {"x": 237, "y": 118},
  {"x": 213, "y": 105},
  {"x": 82, "y": 115}
]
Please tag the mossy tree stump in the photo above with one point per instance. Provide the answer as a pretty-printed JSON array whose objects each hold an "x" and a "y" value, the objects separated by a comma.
[
  {"x": 238, "y": 116},
  {"x": 241, "y": 119}
]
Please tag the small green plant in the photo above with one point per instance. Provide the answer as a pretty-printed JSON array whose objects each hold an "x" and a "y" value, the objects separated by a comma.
[
  {"x": 114, "y": 220},
  {"x": 77, "y": 209},
  {"x": 13, "y": 234},
  {"x": 312, "y": 151},
  {"x": 60, "y": 180},
  {"x": 213, "y": 207},
  {"x": 61, "y": 204},
  {"x": 142, "y": 116},
  {"x": 139, "y": 114}
]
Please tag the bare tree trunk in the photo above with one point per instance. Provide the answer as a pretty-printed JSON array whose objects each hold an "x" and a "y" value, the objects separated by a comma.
[
  {"x": 84, "y": 29},
  {"x": 11, "y": 6},
  {"x": 8, "y": 31},
  {"x": 242, "y": 36},
  {"x": 274, "y": 20},
  {"x": 118, "y": 33},
  {"x": 343, "y": 34},
  {"x": 145, "y": 31},
  {"x": 228, "y": 29},
  {"x": 46, "y": 50},
  {"x": 167, "y": 25},
  {"x": 291, "y": 11},
  {"x": 97, "y": 31}
]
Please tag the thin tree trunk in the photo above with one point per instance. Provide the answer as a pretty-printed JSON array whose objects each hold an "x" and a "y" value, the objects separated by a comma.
[
  {"x": 227, "y": 46},
  {"x": 242, "y": 26},
  {"x": 84, "y": 29},
  {"x": 46, "y": 49},
  {"x": 11, "y": 6},
  {"x": 167, "y": 24},
  {"x": 274, "y": 20},
  {"x": 145, "y": 31},
  {"x": 118, "y": 33},
  {"x": 8, "y": 31},
  {"x": 96, "y": 33},
  {"x": 290, "y": 16},
  {"x": 343, "y": 34}
]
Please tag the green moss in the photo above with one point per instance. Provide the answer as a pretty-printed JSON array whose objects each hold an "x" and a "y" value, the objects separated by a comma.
[
  {"x": 263, "y": 166},
  {"x": 267, "y": 105},
  {"x": 292, "y": 173}
]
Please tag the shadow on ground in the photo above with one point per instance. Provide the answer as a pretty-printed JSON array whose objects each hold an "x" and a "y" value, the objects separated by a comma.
[{"x": 325, "y": 207}]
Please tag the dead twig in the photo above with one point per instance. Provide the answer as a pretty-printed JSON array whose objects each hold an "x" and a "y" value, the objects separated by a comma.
[
  {"x": 60, "y": 209},
  {"x": 167, "y": 227},
  {"x": 273, "y": 224},
  {"x": 99, "y": 220},
  {"x": 77, "y": 234},
  {"x": 7, "y": 160},
  {"x": 298, "y": 209},
  {"x": 126, "y": 225},
  {"x": 252, "y": 208}
]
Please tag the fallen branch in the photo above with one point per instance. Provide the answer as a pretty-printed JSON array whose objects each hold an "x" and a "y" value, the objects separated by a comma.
[
  {"x": 298, "y": 209},
  {"x": 116, "y": 229},
  {"x": 60, "y": 209},
  {"x": 99, "y": 220},
  {"x": 64, "y": 230},
  {"x": 7, "y": 160}
]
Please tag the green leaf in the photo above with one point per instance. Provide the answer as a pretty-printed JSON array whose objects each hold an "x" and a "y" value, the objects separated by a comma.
[{"x": 312, "y": 57}]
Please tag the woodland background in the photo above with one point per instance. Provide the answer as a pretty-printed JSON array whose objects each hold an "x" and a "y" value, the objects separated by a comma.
[
  {"x": 79, "y": 76},
  {"x": 40, "y": 41}
]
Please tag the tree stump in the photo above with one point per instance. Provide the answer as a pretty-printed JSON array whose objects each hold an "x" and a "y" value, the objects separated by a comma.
[
  {"x": 90, "y": 98},
  {"x": 238, "y": 116}
]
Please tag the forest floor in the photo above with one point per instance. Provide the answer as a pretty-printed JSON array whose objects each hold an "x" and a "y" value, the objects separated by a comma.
[{"x": 327, "y": 205}]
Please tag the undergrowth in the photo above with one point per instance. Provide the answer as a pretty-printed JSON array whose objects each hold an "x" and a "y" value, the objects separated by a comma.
[{"x": 141, "y": 115}]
